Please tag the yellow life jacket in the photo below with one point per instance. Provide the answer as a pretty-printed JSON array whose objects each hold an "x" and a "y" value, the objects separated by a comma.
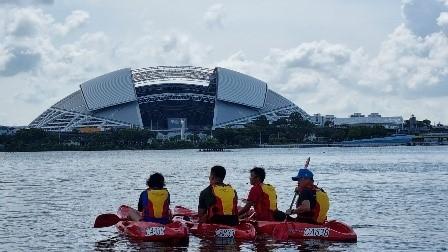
[
  {"x": 269, "y": 190},
  {"x": 157, "y": 203},
  {"x": 226, "y": 200},
  {"x": 324, "y": 204}
]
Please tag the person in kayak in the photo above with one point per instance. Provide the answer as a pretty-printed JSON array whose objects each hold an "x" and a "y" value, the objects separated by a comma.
[
  {"x": 218, "y": 202},
  {"x": 262, "y": 197},
  {"x": 154, "y": 202},
  {"x": 313, "y": 203}
]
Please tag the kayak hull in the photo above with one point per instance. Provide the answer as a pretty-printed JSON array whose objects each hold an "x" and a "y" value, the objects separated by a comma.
[
  {"x": 331, "y": 230},
  {"x": 150, "y": 231},
  {"x": 243, "y": 232}
]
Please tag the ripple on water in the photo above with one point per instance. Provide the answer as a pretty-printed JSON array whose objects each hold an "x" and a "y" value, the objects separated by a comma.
[{"x": 394, "y": 197}]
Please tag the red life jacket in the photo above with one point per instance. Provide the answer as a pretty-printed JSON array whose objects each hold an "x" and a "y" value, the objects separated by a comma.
[
  {"x": 266, "y": 205},
  {"x": 157, "y": 205},
  {"x": 225, "y": 201}
]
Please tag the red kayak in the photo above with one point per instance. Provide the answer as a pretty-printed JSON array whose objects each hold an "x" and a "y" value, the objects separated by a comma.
[
  {"x": 243, "y": 232},
  {"x": 150, "y": 231},
  {"x": 331, "y": 230}
]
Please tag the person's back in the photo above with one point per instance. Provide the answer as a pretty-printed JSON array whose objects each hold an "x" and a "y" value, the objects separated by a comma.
[
  {"x": 218, "y": 202},
  {"x": 263, "y": 197},
  {"x": 154, "y": 202}
]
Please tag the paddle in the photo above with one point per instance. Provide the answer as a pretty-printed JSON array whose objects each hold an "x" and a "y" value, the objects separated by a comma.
[
  {"x": 280, "y": 232},
  {"x": 183, "y": 211},
  {"x": 106, "y": 220}
]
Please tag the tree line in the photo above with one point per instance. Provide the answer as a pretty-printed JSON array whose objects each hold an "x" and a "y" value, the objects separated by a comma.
[{"x": 291, "y": 130}]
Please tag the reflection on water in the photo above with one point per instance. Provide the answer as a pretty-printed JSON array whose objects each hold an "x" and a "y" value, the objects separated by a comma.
[
  {"x": 394, "y": 197},
  {"x": 122, "y": 243}
]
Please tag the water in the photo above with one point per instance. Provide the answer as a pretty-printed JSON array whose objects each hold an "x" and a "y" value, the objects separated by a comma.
[{"x": 394, "y": 197}]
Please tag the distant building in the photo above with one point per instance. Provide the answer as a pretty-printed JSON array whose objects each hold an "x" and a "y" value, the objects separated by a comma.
[
  {"x": 358, "y": 119},
  {"x": 357, "y": 115},
  {"x": 320, "y": 120},
  {"x": 413, "y": 127},
  {"x": 374, "y": 119},
  {"x": 374, "y": 115},
  {"x": 317, "y": 119}
]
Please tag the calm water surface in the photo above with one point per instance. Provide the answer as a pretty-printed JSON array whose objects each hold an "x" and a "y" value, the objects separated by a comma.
[{"x": 394, "y": 197}]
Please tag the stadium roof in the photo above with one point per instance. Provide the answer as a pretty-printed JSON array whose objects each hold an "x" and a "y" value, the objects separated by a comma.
[{"x": 112, "y": 100}]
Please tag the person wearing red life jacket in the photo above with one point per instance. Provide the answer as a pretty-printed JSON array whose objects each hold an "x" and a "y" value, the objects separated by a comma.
[
  {"x": 218, "y": 202},
  {"x": 313, "y": 203},
  {"x": 262, "y": 197},
  {"x": 154, "y": 202}
]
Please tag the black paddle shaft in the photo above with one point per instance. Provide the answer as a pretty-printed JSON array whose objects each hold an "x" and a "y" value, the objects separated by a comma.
[{"x": 293, "y": 199}]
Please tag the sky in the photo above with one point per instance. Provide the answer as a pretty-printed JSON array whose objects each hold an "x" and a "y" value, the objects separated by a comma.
[{"x": 327, "y": 56}]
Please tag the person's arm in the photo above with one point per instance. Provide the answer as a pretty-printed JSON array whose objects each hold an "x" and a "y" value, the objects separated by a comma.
[
  {"x": 141, "y": 204},
  {"x": 250, "y": 202},
  {"x": 303, "y": 203},
  {"x": 246, "y": 207},
  {"x": 202, "y": 207},
  {"x": 304, "y": 207}
]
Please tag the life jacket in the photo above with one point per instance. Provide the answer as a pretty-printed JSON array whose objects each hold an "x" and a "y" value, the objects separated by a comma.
[
  {"x": 322, "y": 205},
  {"x": 271, "y": 194},
  {"x": 320, "y": 210},
  {"x": 157, "y": 206},
  {"x": 266, "y": 205},
  {"x": 225, "y": 201}
]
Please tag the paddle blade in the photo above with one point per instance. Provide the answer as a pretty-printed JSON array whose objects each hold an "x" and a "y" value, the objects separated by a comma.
[
  {"x": 183, "y": 211},
  {"x": 280, "y": 232},
  {"x": 106, "y": 220}
]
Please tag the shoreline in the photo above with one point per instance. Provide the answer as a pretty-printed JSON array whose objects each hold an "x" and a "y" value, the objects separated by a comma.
[{"x": 227, "y": 149}]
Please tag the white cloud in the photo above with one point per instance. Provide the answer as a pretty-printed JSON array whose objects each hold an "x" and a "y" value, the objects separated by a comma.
[
  {"x": 409, "y": 74},
  {"x": 214, "y": 16},
  {"x": 442, "y": 21},
  {"x": 162, "y": 48},
  {"x": 410, "y": 65},
  {"x": 5, "y": 56},
  {"x": 421, "y": 15},
  {"x": 331, "y": 78},
  {"x": 73, "y": 21},
  {"x": 24, "y": 23}
]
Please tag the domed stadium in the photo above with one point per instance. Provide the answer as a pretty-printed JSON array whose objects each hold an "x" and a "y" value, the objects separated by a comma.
[{"x": 166, "y": 98}]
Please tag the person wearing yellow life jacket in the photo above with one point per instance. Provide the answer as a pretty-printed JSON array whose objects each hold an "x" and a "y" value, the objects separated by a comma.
[
  {"x": 154, "y": 202},
  {"x": 218, "y": 202},
  {"x": 313, "y": 203},
  {"x": 262, "y": 197}
]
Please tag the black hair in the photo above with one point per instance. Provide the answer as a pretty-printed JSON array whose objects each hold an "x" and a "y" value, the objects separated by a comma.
[
  {"x": 219, "y": 172},
  {"x": 259, "y": 172},
  {"x": 156, "y": 180}
]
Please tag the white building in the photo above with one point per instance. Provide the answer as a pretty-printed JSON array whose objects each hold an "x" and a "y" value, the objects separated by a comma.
[
  {"x": 374, "y": 119},
  {"x": 358, "y": 119}
]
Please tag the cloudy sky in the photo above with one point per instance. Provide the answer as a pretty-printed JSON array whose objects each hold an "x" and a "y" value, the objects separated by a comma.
[{"x": 328, "y": 56}]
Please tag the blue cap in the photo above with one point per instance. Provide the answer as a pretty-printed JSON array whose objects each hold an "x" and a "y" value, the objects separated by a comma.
[{"x": 303, "y": 173}]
